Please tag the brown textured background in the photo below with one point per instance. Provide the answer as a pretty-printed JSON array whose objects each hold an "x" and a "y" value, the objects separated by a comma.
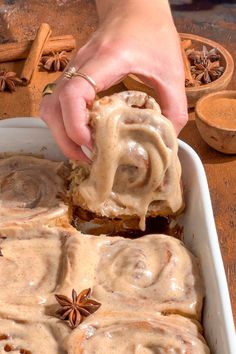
[{"x": 19, "y": 20}]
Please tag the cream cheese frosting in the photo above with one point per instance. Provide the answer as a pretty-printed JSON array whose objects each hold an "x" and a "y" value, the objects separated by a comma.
[
  {"x": 32, "y": 337},
  {"x": 31, "y": 194},
  {"x": 29, "y": 269},
  {"x": 135, "y": 280},
  {"x": 146, "y": 276},
  {"x": 129, "y": 333},
  {"x": 154, "y": 273},
  {"x": 135, "y": 170}
]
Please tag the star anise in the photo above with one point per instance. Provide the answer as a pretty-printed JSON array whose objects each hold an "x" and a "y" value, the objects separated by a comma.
[
  {"x": 8, "y": 81},
  {"x": 212, "y": 55},
  {"x": 194, "y": 56},
  {"x": 199, "y": 56},
  {"x": 55, "y": 62},
  {"x": 76, "y": 309},
  {"x": 207, "y": 71}
]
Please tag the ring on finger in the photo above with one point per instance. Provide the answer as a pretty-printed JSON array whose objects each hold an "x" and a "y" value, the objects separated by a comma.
[{"x": 72, "y": 72}]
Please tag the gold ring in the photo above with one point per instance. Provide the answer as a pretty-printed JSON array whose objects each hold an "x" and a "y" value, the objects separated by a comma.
[
  {"x": 72, "y": 72},
  {"x": 48, "y": 89}
]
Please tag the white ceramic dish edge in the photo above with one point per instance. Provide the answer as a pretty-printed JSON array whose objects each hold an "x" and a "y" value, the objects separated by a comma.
[{"x": 200, "y": 232}]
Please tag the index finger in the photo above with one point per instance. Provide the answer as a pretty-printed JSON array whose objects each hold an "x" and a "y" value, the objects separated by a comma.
[{"x": 78, "y": 93}]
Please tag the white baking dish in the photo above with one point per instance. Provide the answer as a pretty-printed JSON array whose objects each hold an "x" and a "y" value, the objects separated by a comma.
[{"x": 30, "y": 135}]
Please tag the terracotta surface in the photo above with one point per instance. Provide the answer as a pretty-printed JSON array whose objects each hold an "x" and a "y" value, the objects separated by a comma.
[{"x": 19, "y": 20}]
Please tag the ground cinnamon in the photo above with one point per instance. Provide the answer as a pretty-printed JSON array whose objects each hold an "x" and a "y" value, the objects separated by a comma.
[
  {"x": 221, "y": 112},
  {"x": 20, "y": 50},
  {"x": 35, "y": 53}
]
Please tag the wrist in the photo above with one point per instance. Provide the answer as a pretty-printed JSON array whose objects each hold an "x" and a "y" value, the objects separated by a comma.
[{"x": 130, "y": 8}]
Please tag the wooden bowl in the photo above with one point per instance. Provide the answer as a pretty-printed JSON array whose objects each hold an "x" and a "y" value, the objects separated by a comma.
[
  {"x": 193, "y": 93},
  {"x": 216, "y": 120}
]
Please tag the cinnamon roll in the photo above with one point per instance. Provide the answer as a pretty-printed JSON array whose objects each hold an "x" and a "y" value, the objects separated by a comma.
[
  {"x": 30, "y": 270},
  {"x": 31, "y": 194},
  {"x": 154, "y": 273},
  {"x": 32, "y": 337},
  {"x": 135, "y": 169},
  {"x": 129, "y": 333}
]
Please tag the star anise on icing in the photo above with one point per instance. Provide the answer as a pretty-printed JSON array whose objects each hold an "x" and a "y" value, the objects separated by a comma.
[
  {"x": 55, "y": 62},
  {"x": 75, "y": 309},
  {"x": 8, "y": 81}
]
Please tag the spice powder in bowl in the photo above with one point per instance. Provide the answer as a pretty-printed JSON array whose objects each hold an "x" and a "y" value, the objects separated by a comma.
[
  {"x": 216, "y": 120},
  {"x": 221, "y": 112}
]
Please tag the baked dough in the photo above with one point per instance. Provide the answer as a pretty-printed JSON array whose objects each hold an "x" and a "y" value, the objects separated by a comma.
[
  {"x": 154, "y": 273},
  {"x": 129, "y": 333},
  {"x": 135, "y": 169},
  {"x": 31, "y": 195},
  {"x": 30, "y": 272}
]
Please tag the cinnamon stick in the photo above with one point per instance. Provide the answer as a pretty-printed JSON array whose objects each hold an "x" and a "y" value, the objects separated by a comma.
[
  {"x": 186, "y": 43},
  {"x": 35, "y": 53},
  {"x": 20, "y": 50},
  {"x": 189, "y": 81}
]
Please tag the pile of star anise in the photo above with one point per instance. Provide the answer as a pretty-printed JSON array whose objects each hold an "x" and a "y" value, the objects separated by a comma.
[{"x": 205, "y": 65}]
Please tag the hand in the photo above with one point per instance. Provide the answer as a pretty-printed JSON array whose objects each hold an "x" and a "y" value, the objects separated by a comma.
[{"x": 138, "y": 37}]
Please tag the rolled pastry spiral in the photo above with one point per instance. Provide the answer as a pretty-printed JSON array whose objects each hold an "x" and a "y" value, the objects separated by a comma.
[
  {"x": 29, "y": 269},
  {"x": 31, "y": 191},
  {"x": 154, "y": 273},
  {"x": 136, "y": 170},
  {"x": 128, "y": 333}
]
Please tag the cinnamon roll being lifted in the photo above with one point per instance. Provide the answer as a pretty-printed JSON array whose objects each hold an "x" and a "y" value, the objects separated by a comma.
[
  {"x": 135, "y": 170},
  {"x": 31, "y": 194},
  {"x": 129, "y": 333}
]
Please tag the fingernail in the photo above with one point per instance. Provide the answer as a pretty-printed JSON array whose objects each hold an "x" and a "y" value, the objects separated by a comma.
[{"x": 87, "y": 152}]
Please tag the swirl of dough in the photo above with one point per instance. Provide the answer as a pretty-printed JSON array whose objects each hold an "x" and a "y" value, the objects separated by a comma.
[
  {"x": 154, "y": 271},
  {"x": 30, "y": 190},
  {"x": 136, "y": 170},
  {"x": 29, "y": 269},
  {"x": 127, "y": 333}
]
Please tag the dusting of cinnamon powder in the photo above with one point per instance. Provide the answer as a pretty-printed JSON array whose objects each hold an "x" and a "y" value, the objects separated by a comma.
[{"x": 221, "y": 112}]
